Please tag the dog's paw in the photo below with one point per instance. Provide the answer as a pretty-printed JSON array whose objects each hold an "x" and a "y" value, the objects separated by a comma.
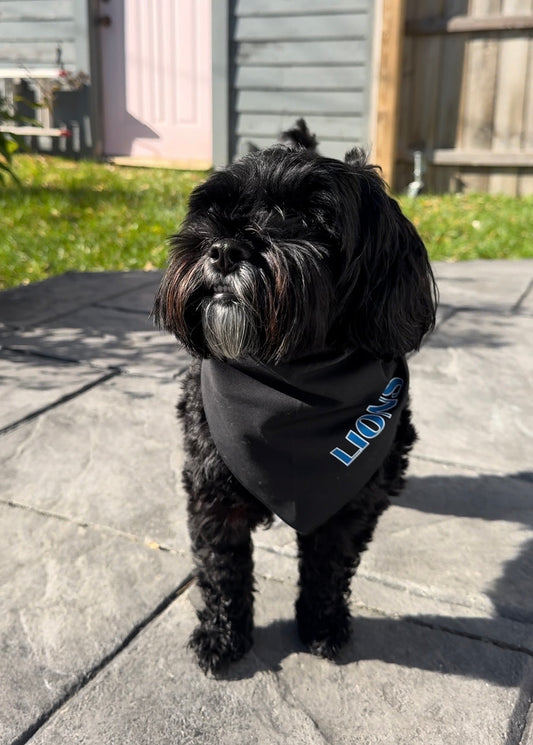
[
  {"x": 322, "y": 635},
  {"x": 216, "y": 647}
]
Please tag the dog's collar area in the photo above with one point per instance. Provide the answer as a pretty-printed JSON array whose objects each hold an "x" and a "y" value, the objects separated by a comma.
[{"x": 305, "y": 436}]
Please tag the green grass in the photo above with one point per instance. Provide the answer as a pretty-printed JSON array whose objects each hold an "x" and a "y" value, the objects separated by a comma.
[
  {"x": 460, "y": 227},
  {"x": 88, "y": 216}
]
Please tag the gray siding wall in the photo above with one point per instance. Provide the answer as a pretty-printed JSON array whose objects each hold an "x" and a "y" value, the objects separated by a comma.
[
  {"x": 36, "y": 36},
  {"x": 292, "y": 58},
  {"x": 32, "y": 30}
]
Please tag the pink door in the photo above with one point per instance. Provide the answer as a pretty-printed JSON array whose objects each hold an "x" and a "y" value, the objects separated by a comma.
[{"x": 156, "y": 79}]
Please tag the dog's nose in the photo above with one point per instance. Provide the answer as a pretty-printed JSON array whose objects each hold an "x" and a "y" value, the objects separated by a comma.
[{"x": 226, "y": 255}]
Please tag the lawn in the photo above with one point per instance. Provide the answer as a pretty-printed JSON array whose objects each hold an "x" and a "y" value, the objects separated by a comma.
[{"x": 88, "y": 216}]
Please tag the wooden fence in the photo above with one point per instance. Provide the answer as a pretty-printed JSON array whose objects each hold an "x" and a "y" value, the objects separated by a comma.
[{"x": 465, "y": 94}]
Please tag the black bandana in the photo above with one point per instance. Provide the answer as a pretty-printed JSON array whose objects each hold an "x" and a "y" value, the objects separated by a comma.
[{"x": 306, "y": 436}]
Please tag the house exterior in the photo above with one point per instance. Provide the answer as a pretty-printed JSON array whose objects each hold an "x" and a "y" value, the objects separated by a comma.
[
  {"x": 195, "y": 82},
  {"x": 276, "y": 61}
]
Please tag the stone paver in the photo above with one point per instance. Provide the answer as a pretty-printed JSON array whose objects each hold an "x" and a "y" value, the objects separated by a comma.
[
  {"x": 104, "y": 337},
  {"x": 470, "y": 392},
  {"x": 95, "y": 618},
  {"x": 58, "y": 296},
  {"x": 488, "y": 285},
  {"x": 111, "y": 457},
  {"x": 31, "y": 384},
  {"x": 396, "y": 683},
  {"x": 70, "y": 595}
]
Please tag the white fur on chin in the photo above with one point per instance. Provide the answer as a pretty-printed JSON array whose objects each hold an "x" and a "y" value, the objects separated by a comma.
[{"x": 229, "y": 328}]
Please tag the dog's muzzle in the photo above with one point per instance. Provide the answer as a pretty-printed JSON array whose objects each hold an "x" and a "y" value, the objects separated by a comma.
[{"x": 230, "y": 320}]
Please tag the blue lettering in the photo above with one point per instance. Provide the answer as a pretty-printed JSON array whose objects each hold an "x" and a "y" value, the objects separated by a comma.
[
  {"x": 371, "y": 423},
  {"x": 393, "y": 388},
  {"x": 354, "y": 439},
  {"x": 384, "y": 407}
]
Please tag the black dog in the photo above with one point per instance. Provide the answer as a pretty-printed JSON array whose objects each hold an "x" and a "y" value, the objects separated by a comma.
[{"x": 298, "y": 286}]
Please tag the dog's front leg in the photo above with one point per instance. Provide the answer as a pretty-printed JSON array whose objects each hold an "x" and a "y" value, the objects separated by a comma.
[
  {"x": 222, "y": 549},
  {"x": 328, "y": 558}
]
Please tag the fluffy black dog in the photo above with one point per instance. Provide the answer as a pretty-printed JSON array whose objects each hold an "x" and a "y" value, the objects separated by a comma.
[{"x": 298, "y": 286}]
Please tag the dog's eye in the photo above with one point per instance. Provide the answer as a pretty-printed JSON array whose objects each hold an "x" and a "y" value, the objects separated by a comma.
[{"x": 253, "y": 231}]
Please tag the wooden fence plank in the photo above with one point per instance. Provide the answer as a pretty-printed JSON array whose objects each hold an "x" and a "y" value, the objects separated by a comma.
[
  {"x": 468, "y": 25},
  {"x": 426, "y": 82},
  {"x": 449, "y": 99},
  {"x": 509, "y": 98},
  {"x": 468, "y": 103},
  {"x": 525, "y": 179},
  {"x": 477, "y": 106},
  {"x": 388, "y": 86},
  {"x": 481, "y": 158}
]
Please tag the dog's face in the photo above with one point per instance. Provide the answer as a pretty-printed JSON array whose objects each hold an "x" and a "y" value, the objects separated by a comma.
[{"x": 286, "y": 253}]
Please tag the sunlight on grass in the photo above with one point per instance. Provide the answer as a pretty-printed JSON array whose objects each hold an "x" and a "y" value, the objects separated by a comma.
[
  {"x": 457, "y": 227},
  {"x": 87, "y": 216}
]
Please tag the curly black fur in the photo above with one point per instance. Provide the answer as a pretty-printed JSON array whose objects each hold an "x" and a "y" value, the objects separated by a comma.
[{"x": 283, "y": 254}]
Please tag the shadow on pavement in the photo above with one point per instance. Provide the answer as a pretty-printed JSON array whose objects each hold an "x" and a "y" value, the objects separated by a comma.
[{"x": 402, "y": 641}]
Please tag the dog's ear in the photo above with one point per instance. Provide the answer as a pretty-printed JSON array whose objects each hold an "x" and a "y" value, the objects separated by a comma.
[{"x": 392, "y": 290}]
